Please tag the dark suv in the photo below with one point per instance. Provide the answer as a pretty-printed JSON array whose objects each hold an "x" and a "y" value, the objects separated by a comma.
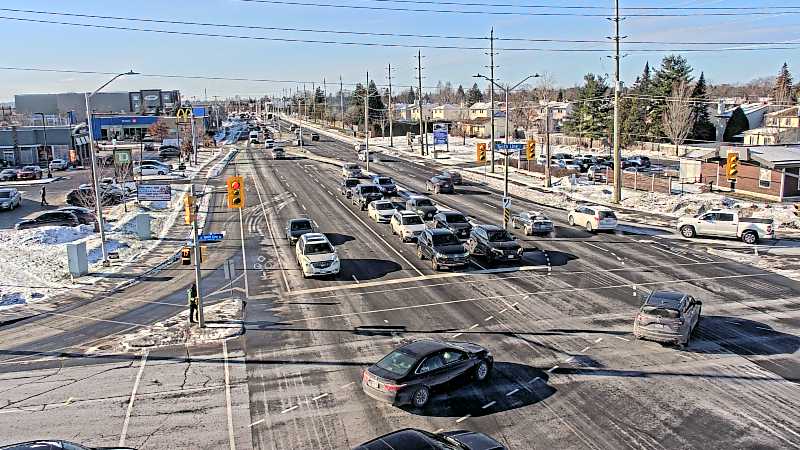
[
  {"x": 494, "y": 243},
  {"x": 385, "y": 184},
  {"x": 439, "y": 185},
  {"x": 363, "y": 194},
  {"x": 453, "y": 221},
  {"x": 442, "y": 247},
  {"x": 347, "y": 185},
  {"x": 50, "y": 219}
]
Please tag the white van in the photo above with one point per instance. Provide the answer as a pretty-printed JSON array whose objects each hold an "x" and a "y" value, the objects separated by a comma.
[{"x": 253, "y": 137}]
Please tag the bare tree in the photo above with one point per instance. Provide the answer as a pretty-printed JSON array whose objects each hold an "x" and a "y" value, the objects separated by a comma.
[
  {"x": 545, "y": 86},
  {"x": 678, "y": 115},
  {"x": 159, "y": 130}
]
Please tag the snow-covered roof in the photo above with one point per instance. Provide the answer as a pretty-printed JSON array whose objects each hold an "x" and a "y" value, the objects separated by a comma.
[
  {"x": 776, "y": 155},
  {"x": 747, "y": 109},
  {"x": 448, "y": 106},
  {"x": 481, "y": 105}
]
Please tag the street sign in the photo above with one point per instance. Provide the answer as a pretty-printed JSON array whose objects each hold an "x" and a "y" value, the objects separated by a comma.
[
  {"x": 509, "y": 146},
  {"x": 440, "y": 136},
  {"x": 210, "y": 237},
  {"x": 154, "y": 192},
  {"x": 506, "y": 202}
]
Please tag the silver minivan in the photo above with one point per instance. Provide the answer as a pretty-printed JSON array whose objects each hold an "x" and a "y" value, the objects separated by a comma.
[{"x": 668, "y": 317}]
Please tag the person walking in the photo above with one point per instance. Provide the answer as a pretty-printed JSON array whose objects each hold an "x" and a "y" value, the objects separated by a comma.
[
  {"x": 193, "y": 310},
  {"x": 43, "y": 191}
]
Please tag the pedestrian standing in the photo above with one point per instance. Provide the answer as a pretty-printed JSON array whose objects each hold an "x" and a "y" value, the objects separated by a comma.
[
  {"x": 43, "y": 191},
  {"x": 193, "y": 310},
  {"x": 49, "y": 173}
]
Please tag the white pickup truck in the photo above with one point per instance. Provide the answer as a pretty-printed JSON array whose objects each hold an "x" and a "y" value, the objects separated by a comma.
[{"x": 726, "y": 223}]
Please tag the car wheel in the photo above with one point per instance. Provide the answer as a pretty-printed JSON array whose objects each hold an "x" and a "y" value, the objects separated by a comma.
[
  {"x": 482, "y": 371},
  {"x": 687, "y": 231},
  {"x": 419, "y": 253},
  {"x": 589, "y": 227},
  {"x": 437, "y": 190},
  {"x": 571, "y": 221},
  {"x": 528, "y": 231},
  {"x": 421, "y": 397},
  {"x": 750, "y": 237}
]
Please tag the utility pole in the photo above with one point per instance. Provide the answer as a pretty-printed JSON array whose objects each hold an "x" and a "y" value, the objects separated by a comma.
[
  {"x": 548, "y": 181},
  {"x": 391, "y": 112},
  {"x": 341, "y": 99},
  {"x": 617, "y": 168},
  {"x": 194, "y": 138},
  {"x": 197, "y": 255},
  {"x": 325, "y": 100},
  {"x": 314, "y": 103},
  {"x": 419, "y": 85},
  {"x": 491, "y": 93},
  {"x": 366, "y": 122}
]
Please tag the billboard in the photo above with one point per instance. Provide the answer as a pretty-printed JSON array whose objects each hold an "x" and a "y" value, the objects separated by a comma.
[
  {"x": 439, "y": 133},
  {"x": 154, "y": 192}
]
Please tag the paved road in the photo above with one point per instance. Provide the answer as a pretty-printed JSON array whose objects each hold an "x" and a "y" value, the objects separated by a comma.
[{"x": 568, "y": 374}]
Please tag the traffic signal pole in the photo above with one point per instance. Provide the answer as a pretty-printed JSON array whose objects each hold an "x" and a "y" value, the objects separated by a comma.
[{"x": 197, "y": 260}]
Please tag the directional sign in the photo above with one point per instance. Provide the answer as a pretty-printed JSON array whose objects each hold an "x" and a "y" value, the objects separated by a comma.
[
  {"x": 506, "y": 202},
  {"x": 210, "y": 237},
  {"x": 509, "y": 146}
]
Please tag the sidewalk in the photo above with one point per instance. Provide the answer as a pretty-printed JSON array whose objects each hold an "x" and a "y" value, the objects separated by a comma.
[{"x": 42, "y": 282}]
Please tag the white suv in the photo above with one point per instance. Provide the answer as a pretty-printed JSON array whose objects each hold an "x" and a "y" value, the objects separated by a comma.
[
  {"x": 316, "y": 255},
  {"x": 592, "y": 217},
  {"x": 407, "y": 224},
  {"x": 58, "y": 164},
  {"x": 381, "y": 210}
]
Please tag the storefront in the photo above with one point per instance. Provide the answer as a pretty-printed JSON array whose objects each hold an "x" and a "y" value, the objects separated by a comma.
[{"x": 121, "y": 127}]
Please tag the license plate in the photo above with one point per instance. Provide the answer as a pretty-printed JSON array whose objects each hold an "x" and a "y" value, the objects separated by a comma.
[
  {"x": 510, "y": 256},
  {"x": 374, "y": 384}
]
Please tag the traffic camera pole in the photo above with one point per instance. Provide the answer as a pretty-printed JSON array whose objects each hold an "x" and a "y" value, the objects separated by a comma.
[
  {"x": 366, "y": 123},
  {"x": 197, "y": 259}
]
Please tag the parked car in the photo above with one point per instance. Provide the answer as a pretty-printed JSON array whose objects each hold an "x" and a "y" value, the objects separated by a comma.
[
  {"x": 597, "y": 172},
  {"x": 442, "y": 247},
  {"x": 583, "y": 162},
  {"x": 347, "y": 185},
  {"x": 494, "y": 244},
  {"x": 153, "y": 162},
  {"x": 57, "y": 164},
  {"x": 453, "y": 221},
  {"x": 421, "y": 205},
  {"x": 85, "y": 215},
  {"x": 406, "y": 224},
  {"x": 592, "y": 217},
  {"x": 453, "y": 175},
  {"x": 351, "y": 170},
  {"x": 84, "y": 196},
  {"x": 385, "y": 184},
  {"x": 56, "y": 444},
  {"x": 29, "y": 173},
  {"x": 169, "y": 151},
  {"x": 532, "y": 222},
  {"x": 298, "y": 227},
  {"x": 381, "y": 210},
  {"x": 10, "y": 198},
  {"x": 316, "y": 255},
  {"x": 413, "y": 439},
  {"x": 314, "y": 136},
  {"x": 637, "y": 161},
  {"x": 363, "y": 194},
  {"x": 726, "y": 223},
  {"x": 8, "y": 175},
  {"x": 412, "y": 373},
  {"x": 49, "y": 219},
  {"x": 668, "y": 317},
  {"x": 150, "y": 169},
  {"x": 439, "y": 185}
]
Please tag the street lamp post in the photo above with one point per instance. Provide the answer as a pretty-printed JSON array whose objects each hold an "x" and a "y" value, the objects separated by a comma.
[
  {"x": 44, "y": 128},
  {"x": 507, "y": 89},
  {"x": 92, "y": 153}
]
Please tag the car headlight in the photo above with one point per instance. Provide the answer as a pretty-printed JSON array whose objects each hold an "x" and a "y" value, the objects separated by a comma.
[
  {"x": 6, "y": 205},
  {"x": 497, "y": 250}
]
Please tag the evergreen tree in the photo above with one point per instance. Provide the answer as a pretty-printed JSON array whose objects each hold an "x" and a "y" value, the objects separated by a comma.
[
  {"x": 410, "y": 96},
  {"x": 376, "y": 106},
  {"x": 737, "y": 124},
  {"x": 674, "y": 70},
  {"x": 783, "y": 92},
  {"x": 319, "y": 96},
  {"x": 590, "y": 117},
  {"x": 634, "y": 110},
  {"x": 355, "y": 110},
  {"x": 461, "y": 96},
  {"x": 474, "y": 95},
  {"x": 702, "y": 128}
]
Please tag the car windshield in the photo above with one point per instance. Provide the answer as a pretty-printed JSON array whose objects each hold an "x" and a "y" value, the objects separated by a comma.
[
  {"x": 412, "y": 220},
  {"x": 456, "y": 218},
  {"x": 318, "y": 248},
  {"x": 384, "y": 206},
  {"x": 445, "y": 239},
  {"x": 384, "y": 181},
  {"x": 351, "y": 183},
  {"x": 424, "y": 202},
  {"x": 665, "y": 313},
  {"x": 369, "y": 189},
  {"x": 607, "y": 215},
  {"x": 397, "y": 362},
  {"x": 499, "y": 236},
  {"x": 5, "y": 194},
  {"x": 301, "y": 225}
]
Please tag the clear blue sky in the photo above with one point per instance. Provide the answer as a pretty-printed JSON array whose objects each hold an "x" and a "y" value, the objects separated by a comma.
[{"x": 67, "y": 47}]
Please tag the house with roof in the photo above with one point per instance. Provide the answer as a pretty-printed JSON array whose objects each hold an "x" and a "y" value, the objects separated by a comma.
[
  {"x": 780, "y": 127},
  {"x": 427, "y": 111},
  {"x": 449, "y": 113}
]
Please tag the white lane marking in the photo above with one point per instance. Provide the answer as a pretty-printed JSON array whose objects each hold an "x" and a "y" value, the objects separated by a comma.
[
  {"x": 488, "y": 318},
  {"x": 622, "y": 338},
  {"x": 568, "y": 360},
  {"x": 488, "y": 405},
  {"x": 502, "y": 310},
  {"x": 472, "y": 260},
  {"x": 489, "y": 205},
  {"x": 463, "y": 418},
  {"x": 329, "y": 192},
  {"x": 584, "y": 350},
  {"x": 345, "y": 386},
  {"x": 257, "y": 422},
  {"x": 596, "y": 246},
  {"x": 512, "y": 392},
  {"x": 231, "y": 439},
  {"x": 133, "y": 397},
  {"x": 320, "y": 396},
  {"x": 381, "y": 238},
  {"x": 550, "y": 370},
  {"x": 356, "y": 279},
  {"x": 272, "y": 236},
  {"x": 660, "y": 247},
  {"x": 456, "y": 335},
  {"x": 438, "y": 431},
  {"x": 598, "y": 340},
  {"x": 292, "y": 408},
  {"x": 303, "y": 206},
  {"x": 534, "y": 380},
  {"x": 515, "y": 304},
  {"x": 473, "y": 327}
]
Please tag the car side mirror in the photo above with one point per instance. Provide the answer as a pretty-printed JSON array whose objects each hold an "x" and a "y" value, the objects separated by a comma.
[{"x": 698, "y": 302}]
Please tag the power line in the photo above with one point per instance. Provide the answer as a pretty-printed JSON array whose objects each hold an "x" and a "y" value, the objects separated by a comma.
[
  {"x": 378, "y": 44},
  {"x": 604, "y": 8},
  {"x": 378, "y": 34}
]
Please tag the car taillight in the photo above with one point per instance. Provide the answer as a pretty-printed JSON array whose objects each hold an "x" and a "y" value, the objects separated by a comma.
[
  {"x": 364, "y": 375},
  {"x": 597, "y": 219},
  {"x": 392, "y": 387}
]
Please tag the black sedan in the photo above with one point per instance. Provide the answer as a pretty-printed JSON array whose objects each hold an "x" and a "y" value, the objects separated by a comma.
[
  {"x": 84, "y": 196},
  {"x": 411, "y": 373},
  {"x": 347, "y": 185},
  {"x": 85, "y": 215},
  {"x": 439, "y": 185},
  {"x": 298, "y": 227},
  {"x": 413, "y": 439},
  {"x": 169, "y": 151},
  {"x": 49, "y": 219},
  {"x": 493, "y": 243}
]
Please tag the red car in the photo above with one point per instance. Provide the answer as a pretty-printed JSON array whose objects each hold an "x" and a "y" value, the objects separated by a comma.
[{"x": 29, "y": 173}]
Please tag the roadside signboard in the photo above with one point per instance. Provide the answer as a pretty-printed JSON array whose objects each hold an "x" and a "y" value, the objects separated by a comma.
[
  {"x": 440, "y": 136},
  {"x": 154, "y": 192},
  {"x": 506, "y": 202}
]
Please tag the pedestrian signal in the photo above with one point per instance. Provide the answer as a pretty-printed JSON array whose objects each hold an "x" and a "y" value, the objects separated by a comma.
[{"x": 186, "y": 256}]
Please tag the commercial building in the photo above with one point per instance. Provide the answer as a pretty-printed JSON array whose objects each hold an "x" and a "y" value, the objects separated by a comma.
[
  {"x": 73, "y": 104},
  {"x": 39, "y": 145},
  {"x": 133, "y": 127}
]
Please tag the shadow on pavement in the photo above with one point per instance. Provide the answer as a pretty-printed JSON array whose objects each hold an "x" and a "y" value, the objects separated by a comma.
[
  {"x": 339, "y": 239},
  {"x": 366, "y": 269}
]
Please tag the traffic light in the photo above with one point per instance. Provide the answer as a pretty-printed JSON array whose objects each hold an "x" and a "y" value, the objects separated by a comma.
[
  {"x": 481, "y": 152},
  {"x": 530, "y": 149},
  {"x": 235, "y": 192},
  {"x": 732, "y": 166},
  {"x": 186, "y": 256},
  {"x": 188, "y": 209}
]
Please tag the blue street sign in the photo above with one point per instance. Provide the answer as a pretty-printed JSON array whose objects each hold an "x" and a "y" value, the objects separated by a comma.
[
  {"x": 440, "y": 136},
  {"x": 210, "y": 237},
  {"x": 509, "y": 146}
]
